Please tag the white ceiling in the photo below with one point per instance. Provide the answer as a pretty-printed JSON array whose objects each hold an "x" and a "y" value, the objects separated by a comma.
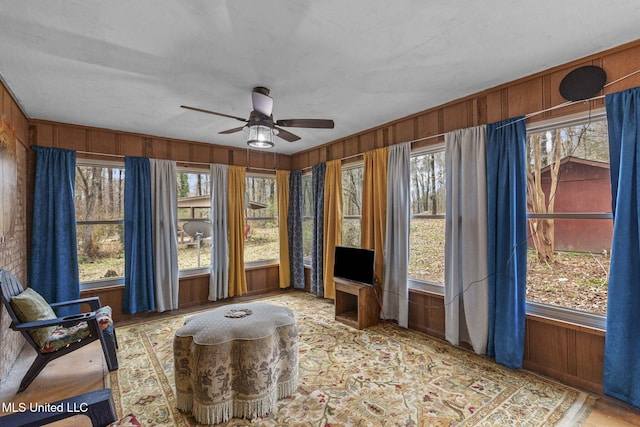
[{"x": 129, "y": 65}]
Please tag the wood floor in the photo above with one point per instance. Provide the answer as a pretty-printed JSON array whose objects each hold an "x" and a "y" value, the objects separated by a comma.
[
  {"x": 83, "y": 371},
  {"x": 612, "y": 413},
  {"x": 78, "y": 372}
]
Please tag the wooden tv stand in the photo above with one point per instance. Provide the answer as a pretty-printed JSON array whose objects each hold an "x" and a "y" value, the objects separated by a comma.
[{"x": 356, "y": 304}]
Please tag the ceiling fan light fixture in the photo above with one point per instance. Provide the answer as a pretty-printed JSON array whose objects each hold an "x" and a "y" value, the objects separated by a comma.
[
  {"x": 261, "y": 126},
  {"x": 260, "y": 136}
]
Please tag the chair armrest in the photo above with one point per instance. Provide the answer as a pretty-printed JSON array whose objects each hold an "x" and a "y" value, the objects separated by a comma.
[
  {"x": 94, "y": 303},
  {"x": 59, "y": 321}
]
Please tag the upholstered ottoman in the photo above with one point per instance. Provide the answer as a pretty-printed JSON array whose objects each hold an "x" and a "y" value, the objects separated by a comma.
[{"x": 235, "y": 361}]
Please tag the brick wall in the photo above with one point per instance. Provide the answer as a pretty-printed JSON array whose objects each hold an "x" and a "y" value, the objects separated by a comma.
[
  {"x": 13, "y": 252},
  {"x": 13, "y": 256}
]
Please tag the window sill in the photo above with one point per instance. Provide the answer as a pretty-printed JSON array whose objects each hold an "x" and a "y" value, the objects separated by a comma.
[
  {"x": 433, "y": 288},
  {"x": 189, "y": 273},
  {"x": 252, "y": 265},
  {"x": 561, "y": 314},
  {"x": 581, "y": 318},
  {"x": 102, "y": 283}
]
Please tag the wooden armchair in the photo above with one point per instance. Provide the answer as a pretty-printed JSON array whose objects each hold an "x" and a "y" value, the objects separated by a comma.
[{"x": 53, "y": 336}]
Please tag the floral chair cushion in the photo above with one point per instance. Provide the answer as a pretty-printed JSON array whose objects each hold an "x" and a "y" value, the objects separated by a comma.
[
  {"x": 62, "y": 336},
  {"x": 103, "y": 315}
]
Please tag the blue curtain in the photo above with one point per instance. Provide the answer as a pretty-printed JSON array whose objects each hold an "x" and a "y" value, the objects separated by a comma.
[
  {"x": 622, "y": 344},
  {"x": 53, "y": 269},
  {"x": 507, "y": 240},
  {"x": 139, "y": 294},
  {"x": 294, "y": 229},
  {"x": 317, "y": 183}
]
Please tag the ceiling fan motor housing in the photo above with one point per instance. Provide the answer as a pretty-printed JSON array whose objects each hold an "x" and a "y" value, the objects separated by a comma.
[
  {"x": 261, "y": 89},
  {"x": 257, "y": 118}
]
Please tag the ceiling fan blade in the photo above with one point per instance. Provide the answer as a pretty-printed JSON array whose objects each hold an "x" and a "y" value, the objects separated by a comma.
[
  {"x": 213, "y": 112},
  {"x": 234, "y": 130},
  {"x": 286, "y": 135},
  {"x": 262, "y": 102},
  {"x": 306, "y": 123}
]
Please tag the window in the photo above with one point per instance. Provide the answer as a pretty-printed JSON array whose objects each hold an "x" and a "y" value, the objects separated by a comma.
[
  {"x": 194, "y": 219},
  {"x": 569, "y": 211},
  {"x": 352, "y": 180},
  {"x": 261, "y": 226},
  {"x": 427, "y": 220},
  {"x": 307, "y": 216},
  {"x": 99, "y": 204}
]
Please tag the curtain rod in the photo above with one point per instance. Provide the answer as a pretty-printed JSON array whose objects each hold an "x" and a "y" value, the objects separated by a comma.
[
  {"x": 177, "y": 161},
  {"x": 567, "y": 103},
  {"x": 424, "y": 138}
]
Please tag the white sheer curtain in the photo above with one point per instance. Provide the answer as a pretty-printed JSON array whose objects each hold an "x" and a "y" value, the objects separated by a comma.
[
  {"x": 164, "y": 211},
  {"x": 219, "y": 279},
  {"x": 466, "y": 283},
  {"x": 396, "y": 248}
]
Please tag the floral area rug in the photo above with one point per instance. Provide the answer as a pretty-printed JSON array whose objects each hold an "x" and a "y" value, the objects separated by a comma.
[{"x": 381, "y": 376}]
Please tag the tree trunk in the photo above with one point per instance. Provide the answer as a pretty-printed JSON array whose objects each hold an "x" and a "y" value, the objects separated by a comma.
[
  {"x": 110, "y": 193},
  {"x": 120, "y": 191},
  {"x": 542, "y": 230},
  {"x": 432, "y": 184},
  {"x": 90, "y": 182},
  {"x": 416, "y": 184}
]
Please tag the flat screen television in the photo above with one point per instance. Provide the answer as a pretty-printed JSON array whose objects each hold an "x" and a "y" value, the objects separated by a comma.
[{"x": 354, "y": 264}]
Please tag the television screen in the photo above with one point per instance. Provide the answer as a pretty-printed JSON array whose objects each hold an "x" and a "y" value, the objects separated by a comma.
[{"x": 354, "y": 264}]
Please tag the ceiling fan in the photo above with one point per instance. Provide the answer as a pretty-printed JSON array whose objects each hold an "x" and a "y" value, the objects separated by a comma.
[{"x": 262, "y": 124}]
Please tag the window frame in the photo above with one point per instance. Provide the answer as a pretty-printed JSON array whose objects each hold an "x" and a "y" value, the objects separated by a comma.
[
  {"x": 195, "y": 271},
  {"x": 433, "y": 287},
  {"x": 564, "y": 314},
  {"x": 346, "y": 166},
  {"x": 267, "y": 261},
  {"x": 308, "y": 173},
  {"x": 107, "y": 281}
]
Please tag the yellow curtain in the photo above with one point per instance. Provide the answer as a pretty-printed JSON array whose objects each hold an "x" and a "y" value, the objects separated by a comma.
[
  {"x": 332, "y": 222},
  {"x": 374, "y": 206},
  {"x": 282, "y": 183},
  {"x": 237, "y": 185}
]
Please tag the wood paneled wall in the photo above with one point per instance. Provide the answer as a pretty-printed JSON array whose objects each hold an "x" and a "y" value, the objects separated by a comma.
[
  {"x": 520, "y": 97},
  {"x": 426, "y": 313},
  {"x": 567, "y": 352},
  {"x": 193, "y": 291},
  {"x": 571, "y": 353},
  {"x": 109, "y": 142}
]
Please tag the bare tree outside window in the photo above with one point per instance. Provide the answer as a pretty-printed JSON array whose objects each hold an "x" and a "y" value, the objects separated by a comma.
[
  {"x": 426, "y": 238},
  {"x": 307, "y": 216},
  {"x": 352, "y": 182},
  {"x": 261, "y": 225},
  {"x": 99, "y": 204},
  {"x": 569, "y": 209}
]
